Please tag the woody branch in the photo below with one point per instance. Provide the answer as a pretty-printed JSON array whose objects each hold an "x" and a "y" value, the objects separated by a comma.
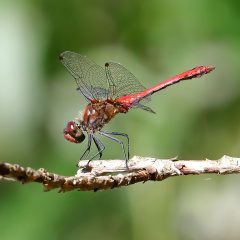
[{"x": 140, "y": 170}]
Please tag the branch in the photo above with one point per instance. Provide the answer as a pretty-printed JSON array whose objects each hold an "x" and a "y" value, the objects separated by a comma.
[{"x": 140, "y": 170}]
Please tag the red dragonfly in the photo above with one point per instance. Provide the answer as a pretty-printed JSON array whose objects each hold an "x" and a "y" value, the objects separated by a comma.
[{"x": 108, "y": 92}]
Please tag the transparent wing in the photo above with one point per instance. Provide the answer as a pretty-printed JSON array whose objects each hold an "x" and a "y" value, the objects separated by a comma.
[
  {"x": 122, "y": 82},
  {"x": 143, "y": 107},
  {"x": 90, "y": 77}
]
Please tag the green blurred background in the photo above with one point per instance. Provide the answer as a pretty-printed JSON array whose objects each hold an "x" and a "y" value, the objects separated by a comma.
[{"x": 195, "y": 119}]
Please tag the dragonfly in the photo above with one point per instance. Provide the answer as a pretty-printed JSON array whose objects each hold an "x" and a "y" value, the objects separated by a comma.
[{"x": 108, "y": 92}]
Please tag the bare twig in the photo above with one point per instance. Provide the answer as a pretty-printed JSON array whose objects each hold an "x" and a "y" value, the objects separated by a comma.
[{"x": 140, "y": 170}]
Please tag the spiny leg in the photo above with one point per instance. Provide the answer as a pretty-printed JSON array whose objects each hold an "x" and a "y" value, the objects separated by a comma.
[
  {"x": 86, "y": 152},
  {"x": 121, "y": 134},
  {"x": 100, "y": 147},
  {"x": 119, "y": 141}
]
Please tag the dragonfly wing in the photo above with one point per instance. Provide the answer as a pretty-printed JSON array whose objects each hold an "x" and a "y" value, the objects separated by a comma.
[
  {"x": 90, "y": 77},
  {"x": 141, "y": 106},
  {"x": 99, "y": 92},
  {"x": 122, "y": 82}
]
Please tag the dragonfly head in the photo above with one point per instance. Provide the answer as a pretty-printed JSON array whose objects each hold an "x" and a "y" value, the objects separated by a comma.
[{"x": 73, "y": 133}]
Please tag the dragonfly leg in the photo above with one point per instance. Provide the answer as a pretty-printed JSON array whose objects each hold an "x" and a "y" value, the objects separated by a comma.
[
  {"x": 121, "y": 134},
  {"x": 86, "y": 152},
  {"x": 106, "y": 134},
  {"x": 100, "y": 148}
]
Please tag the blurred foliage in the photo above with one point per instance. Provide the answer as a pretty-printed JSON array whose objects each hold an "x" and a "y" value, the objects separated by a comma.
[{"x": 195, "y": 119}]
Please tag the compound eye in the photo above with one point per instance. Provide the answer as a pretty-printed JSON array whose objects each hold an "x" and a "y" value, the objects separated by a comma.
[
  {"x": 71, "y": 128},
  {"x": 73, "y": 133}
]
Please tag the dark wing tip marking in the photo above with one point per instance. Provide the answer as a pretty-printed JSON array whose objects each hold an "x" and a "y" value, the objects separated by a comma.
[
  {"x": 107, "y": 64},
  {"x": 61, "y": 57}
]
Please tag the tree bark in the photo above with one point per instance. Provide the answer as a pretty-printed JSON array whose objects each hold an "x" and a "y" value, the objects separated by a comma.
[{"x": 141, "y": 169}]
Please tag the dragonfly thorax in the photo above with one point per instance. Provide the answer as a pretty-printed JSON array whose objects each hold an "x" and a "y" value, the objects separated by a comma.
[{"x": 98, "y": 113}]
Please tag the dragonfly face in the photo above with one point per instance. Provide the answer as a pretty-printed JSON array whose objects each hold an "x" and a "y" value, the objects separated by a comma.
[{"x": 73, "y": 133}]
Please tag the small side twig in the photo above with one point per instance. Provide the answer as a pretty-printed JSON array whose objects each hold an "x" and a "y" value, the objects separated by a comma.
[{"x": 140, "y": 170}]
